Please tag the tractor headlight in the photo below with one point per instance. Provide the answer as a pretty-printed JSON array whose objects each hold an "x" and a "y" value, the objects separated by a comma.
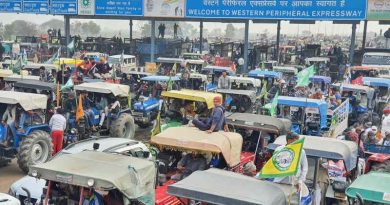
[
  {"x": 34, "y": 173},
  {"x": 73, "y": 131},
  {"x": 90, "y": 182}
]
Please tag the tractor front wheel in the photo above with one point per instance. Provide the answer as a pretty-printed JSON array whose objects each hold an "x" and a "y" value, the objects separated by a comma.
[
  {"x": 36, "y": 148},
  {"x": 123, "y": 127}
]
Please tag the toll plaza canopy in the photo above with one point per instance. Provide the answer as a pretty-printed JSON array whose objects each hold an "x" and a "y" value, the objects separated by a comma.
[{"x": 195, "y": 9}]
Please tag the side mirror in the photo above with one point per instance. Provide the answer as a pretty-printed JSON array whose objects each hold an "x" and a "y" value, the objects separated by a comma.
[{"x": 358, "y": 200}]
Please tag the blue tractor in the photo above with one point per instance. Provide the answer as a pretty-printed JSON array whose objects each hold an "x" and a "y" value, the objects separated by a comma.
[
  {"x": 24, "y": 131},
  {"x": 382, "y": 92},
  {"x": 147, "y": 99},
  {"x": 117, "y": 119},
  {"x": 213, "y": 73},
  {"x": 361, "y": 102},
  {"x": 308, "y": 116}
]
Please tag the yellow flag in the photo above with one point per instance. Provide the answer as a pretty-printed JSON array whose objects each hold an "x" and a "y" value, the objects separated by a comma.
[
  {"x": 174, "y": 69},
  {"x": 284, "y": 162},
  {"x": 157, "y": 129},
  {"x": 80, "y": 111},
  {"x": 58, "y": 96}
]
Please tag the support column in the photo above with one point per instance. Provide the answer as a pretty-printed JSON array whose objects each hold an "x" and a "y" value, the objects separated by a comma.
[
  {"x": 364, "y": 35},
  {"x": 131, "y": 30},
  {"x": 67, "y": 33},
  {"x": 246, "y": 47},
  {"x": 276, "y": 54},
  {"x": 352, "y": 46},
  {"x": 152, "y": 40},
  {"x": 201, "y": 37}
]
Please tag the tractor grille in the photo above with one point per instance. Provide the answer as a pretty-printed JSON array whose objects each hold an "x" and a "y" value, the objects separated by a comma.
[{"x": 138, "y": 114}]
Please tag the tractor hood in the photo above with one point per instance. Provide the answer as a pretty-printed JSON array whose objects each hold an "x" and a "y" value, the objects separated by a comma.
[{"x": 146, "y": 105}]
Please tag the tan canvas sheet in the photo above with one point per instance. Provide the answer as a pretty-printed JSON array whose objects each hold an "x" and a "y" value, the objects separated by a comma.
[
  {"x": 28, "y": 101},
  {"x": 193, "y": 139},
  {"x": 106, "y": 88}
]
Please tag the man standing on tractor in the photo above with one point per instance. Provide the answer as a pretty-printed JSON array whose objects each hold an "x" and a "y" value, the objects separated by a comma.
[
  {"x": 57, "y": 125},
  {"x": 216, "y": 122},
  {"x": 224, "y": 81}
]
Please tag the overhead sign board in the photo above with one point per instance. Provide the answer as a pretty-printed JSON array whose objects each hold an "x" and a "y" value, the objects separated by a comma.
[
  {"x": 119, "y": 7},
  {"x": 86, "y": 7},
  {"x": 165, "y": 8},
  {"x": 278, "y": 9},
  {"x": 10, "y": 6},
  {"x": 36, "y": 6},
  {"x": 378, "y": 10},
  {"x": 63, "y": 7}
]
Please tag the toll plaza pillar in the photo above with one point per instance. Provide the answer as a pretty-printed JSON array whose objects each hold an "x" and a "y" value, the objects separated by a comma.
[
  {"x": 246, "y": 47},
  {"x": 152, "y": 40},
  {"x": 352, "y": 46}
]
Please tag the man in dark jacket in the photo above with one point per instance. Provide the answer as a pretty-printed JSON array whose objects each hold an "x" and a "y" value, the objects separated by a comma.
[{"x": 216, "y": 122}]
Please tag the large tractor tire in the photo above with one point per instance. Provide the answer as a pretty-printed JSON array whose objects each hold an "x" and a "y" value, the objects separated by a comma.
[
  {"x": 36, "y": 148},
  {"x": 381, "y": 167},
  {"x": 123, "y": 127}
]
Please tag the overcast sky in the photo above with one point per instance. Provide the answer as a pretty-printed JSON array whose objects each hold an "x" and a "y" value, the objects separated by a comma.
[{"x": 320, "y": 27}]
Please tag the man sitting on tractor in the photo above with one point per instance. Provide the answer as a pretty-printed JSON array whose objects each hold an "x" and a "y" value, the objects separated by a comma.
[
  {"x": 216, "y": 122},
  {"x": 188, "y": 113},
  {"x": 102, "y": 69},
  {"x": 28, "y": 118},
  {"x": 189, "y": 164},
  {"x": 386, "y": 140},
  {"x": 88, "y": 110},
  {"x": 8, "y": 119},
  {"x": 91, "y": 197},
  {"x": 102, "y": 106},
  {"x": 70, "y": 106}
]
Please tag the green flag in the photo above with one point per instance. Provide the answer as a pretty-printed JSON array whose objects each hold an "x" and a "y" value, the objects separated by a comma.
[
  {"x": 272, "y": 107},
  {"x": 68, "y": 85},
  {"x": 17, "y": 66},
  {"x": 129, "y": 99},
  {"x": 70, "y": 46},
  {"x": 262, "y": 65},
  {"x": 170, "y": 81},
  {"x": 24, "y": 58},
  {"x": 54, "y": 57},
  {"x": 263, "y": 90},
  {"x": 304, "y": 76}
]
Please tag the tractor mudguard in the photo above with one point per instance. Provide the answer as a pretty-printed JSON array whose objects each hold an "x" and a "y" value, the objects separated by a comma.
[
  {"x": 30, "y": 129},
  {"x": 27, "y": 132}
]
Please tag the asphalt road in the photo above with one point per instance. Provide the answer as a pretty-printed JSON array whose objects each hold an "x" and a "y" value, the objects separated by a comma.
[{"x": 11, "y": 173}]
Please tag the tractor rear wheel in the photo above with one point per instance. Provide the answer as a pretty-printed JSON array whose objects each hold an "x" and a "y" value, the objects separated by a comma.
[
  {"x": 36, "y": 148},
  {"x": 123, "y": 127}
]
